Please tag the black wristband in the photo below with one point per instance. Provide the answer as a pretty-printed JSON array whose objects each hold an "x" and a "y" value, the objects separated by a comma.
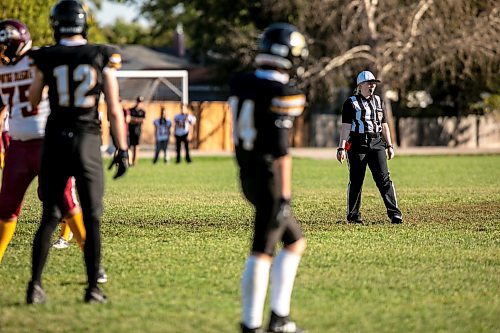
[
  {"x": 390, "y": 146},
  {"x": 340, "y": 148}
]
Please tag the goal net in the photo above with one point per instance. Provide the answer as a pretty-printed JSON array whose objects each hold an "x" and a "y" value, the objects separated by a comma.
[{"x": 154, "y": 85}]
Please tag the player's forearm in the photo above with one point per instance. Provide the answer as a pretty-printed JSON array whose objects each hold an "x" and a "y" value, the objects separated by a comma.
[
  {"x": 3, "y": 111},
  {"x": 386, "y": 133},
  {"x": 36, "y": 88},
  {"x": 115, "y": 113},
  {"x": 283, "y": 176},
  {"x": 118, "y": 130},
  {"x": 345, "y": 129}
]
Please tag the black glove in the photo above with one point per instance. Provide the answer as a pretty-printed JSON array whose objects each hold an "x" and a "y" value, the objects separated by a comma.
[
  {"x": 283, "y": 212},
  {"x": 121, "y": 161}
]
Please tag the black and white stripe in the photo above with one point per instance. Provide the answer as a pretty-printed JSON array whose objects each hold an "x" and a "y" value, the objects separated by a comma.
[{"x": 366, "y": 118}]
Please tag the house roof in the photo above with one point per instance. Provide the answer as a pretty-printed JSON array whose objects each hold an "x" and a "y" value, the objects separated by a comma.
[{"x": 138, "y": 57}]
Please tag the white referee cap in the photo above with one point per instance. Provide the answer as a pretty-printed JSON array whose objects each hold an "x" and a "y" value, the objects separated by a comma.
[{"x": 366, "y": 76}]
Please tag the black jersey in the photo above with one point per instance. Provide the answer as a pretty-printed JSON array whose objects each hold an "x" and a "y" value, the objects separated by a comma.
[
  {"x": 74, "y": 75},
  {"x": 263, "y": 113},
  {"x": 136, "y": 113}
]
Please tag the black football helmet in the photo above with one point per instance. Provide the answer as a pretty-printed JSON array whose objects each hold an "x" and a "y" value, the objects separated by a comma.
[
  {"x": 15, "y": 41},
  {"x": 68, "y": 18},
  {"x": 281, "y": 45}
]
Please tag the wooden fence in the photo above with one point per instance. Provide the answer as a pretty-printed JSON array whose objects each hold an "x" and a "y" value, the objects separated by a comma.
[{"x": 213, "y": 130}]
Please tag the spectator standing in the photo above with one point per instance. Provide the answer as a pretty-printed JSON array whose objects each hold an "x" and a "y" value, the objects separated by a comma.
[
  {"x": 183, "y": 122},
  {"x": 137, "y": 115},
  {"x": 76, "y": 73},
  {"x": 162, "y": 136},
  {"x": 366, "y": 138}
]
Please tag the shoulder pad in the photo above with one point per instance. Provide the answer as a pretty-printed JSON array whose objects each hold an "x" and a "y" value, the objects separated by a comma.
[{"x": 115, "y": 58}]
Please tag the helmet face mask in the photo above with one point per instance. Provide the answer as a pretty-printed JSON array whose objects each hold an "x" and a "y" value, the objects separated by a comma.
[
  {"x": 68, "y": 18},
  {"x": 15, "y": 41},
  {"x": 282, "y": 46}
]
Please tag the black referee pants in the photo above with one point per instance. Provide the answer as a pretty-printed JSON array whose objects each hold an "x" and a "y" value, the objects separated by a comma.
[
  {"x": 67, "y": 154},
  {"x": 375, "y": 158}
]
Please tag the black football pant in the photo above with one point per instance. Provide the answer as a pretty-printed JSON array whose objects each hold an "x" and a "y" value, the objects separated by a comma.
[
  {"x": 179, "y": 139},
  {"x": 67, "y": 154},
  {"x": 376, "y": 160},
  {"x": 266, "y": 235}
]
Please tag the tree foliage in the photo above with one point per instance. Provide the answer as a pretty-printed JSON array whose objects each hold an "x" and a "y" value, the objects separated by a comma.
[
  {"x": 33, "y": 13},
  {"x": 448, "y": 48},
  {"x": 36, "y": 15},
  {"x": 443, "y": 47},
  {"x": 121, "y": 33}
]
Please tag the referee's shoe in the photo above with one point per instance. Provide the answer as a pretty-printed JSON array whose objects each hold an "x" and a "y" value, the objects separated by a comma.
[{"x": 396, "y": 219}]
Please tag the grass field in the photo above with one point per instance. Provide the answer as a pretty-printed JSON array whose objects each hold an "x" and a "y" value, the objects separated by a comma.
[{"x": 175, "y": 239}]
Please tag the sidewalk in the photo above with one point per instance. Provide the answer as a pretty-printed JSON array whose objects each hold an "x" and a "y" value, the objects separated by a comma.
[{"x": 329, "y": 153}]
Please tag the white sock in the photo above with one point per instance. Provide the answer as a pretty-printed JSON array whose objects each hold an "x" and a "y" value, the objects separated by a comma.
[
  {"x": 283, "y": 275},
  {"x": 254, "y": 289}
]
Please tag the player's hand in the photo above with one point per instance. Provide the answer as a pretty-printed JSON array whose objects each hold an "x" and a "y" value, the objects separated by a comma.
[
  {"x": 121, "y": 161},
  {"x": 283, "y": 211},
  {"x": 390, "y": 152},
  {"x": 340, "y": 155}
]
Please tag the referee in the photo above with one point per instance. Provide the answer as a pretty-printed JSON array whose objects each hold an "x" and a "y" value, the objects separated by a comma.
[{"x": 365, "y": 137}]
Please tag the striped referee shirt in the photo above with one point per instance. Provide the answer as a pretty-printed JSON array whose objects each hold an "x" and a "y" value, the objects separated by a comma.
[{"x": 364, "y": 115}]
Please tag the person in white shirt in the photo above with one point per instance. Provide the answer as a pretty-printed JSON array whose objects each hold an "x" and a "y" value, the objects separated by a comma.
[
  {"x": 162, "y": 136},
  {"x": 183, "y": 122}
]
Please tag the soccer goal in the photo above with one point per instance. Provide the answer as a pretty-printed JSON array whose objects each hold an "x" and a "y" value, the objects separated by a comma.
[{"x": 154, "y": 85}]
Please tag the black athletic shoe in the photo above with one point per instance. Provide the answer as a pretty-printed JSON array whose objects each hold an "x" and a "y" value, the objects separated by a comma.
[
  {"x": 396, "y": 220},
  {"x": 101, "y": 275},
  {"x": 356, "y": 220},
  {"x": 245, "y": 329},
  {"x": 35, "y": 294},
  {"x": 95, "y": 295},
  {"x": 279, "y": 324}
]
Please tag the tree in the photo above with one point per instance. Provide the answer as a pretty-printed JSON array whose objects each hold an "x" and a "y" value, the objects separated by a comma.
[
  {"x": 425, "y": 44},
  {"x": 410, "y": 42},
  {"x": 121, "y": 33},
  {"x": 36, "y": 15},
  {"x": 28, "y": 12}
]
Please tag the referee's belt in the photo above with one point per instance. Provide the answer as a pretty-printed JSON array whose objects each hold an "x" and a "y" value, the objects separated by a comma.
[{"x": 367, "y": 135}]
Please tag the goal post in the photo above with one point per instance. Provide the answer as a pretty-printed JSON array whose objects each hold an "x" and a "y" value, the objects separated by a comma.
[
  {"x": 151, "y": 83},
  {"x": 160, "y": 88}
]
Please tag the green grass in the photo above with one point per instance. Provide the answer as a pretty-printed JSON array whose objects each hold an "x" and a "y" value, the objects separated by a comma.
[{"x": 175, "y": 239}]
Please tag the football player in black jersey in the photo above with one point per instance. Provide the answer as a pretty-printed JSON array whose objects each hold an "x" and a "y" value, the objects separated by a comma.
[
  {"x": 264, "y": 104},
  {"x": 76, "y": 73}
]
